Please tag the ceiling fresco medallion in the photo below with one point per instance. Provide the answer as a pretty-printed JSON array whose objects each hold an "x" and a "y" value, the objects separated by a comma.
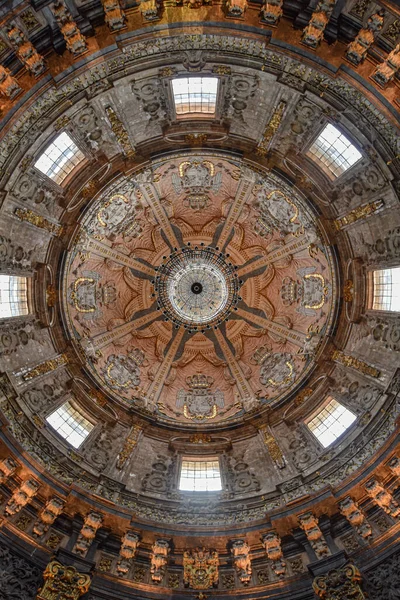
[
  {"x": 196, "y": 288},
  {"x": 199, "y": 312}
]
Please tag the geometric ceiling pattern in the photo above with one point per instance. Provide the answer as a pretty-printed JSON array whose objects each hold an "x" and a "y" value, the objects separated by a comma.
[
  {"x": 199, "y": 291},
  {"x": 191, "y": 371}
]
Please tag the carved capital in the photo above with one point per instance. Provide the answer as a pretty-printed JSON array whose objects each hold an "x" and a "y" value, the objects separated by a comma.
[
  {"x": 339, "y": 584},
  {"x": 63, "y": 583}
]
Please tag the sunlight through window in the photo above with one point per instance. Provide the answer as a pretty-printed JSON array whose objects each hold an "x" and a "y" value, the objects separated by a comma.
[
  {"x": 195, "y": 95},
  {"x": 200, "y": 475},
  {"x": 70, "y": 424},
  {"x": 329, "y": 424},
  {"x": 333, "y": 151},
  {"x": 60, "y": 158},
  {"x": 13, "y": 296},
  {"x": 387, "y": 289}
]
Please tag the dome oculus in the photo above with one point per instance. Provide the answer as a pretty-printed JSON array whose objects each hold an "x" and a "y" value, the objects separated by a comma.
[{"x": 196, "y": 288}]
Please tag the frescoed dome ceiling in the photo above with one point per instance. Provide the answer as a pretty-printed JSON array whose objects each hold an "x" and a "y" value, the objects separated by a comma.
[
  {"x": 240, "y": 341},
  {"x": 200, "y": 290}
]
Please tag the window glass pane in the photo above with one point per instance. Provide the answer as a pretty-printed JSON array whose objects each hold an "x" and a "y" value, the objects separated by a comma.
[
  {"x": 200, "y": 476},
  {"x": 60, "y": 158},
  {"x": 334, "y": 151},
  {"x": 387, "y": 289},
  {"x": 13, "y": 296},
  {"x": 195, "y": 94},
  {"x": 70, "y": 424},
  {"x": 331, "y": 422}
]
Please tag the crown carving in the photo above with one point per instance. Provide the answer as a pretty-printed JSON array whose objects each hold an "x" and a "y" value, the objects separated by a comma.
[{"x": 199, "y": 381}]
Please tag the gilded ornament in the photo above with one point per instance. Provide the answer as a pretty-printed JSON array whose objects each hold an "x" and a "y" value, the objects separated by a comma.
[
  {"x": 393, "y": 31},
  {"x": 104, "y": 566},
  {"x": 196, "y": 139},
  {"x": 89, "y": 189},
  {"x": 120, "y": 132},
  {"x": 167, "y": 71},
  {"x": 39, "y": 221},
  {"x": 361, "y": 212},
  {"x": 51, "y": 295},
  {"x": 339, "y": 584},
  {"x": 23, "y": 522},
  {"x": 200, "y": 438},
  {"x": 38, "y": 421},
  {"x": 45, "y": 367},
  {"x": 348, "y": 290},
  {"x": 173, "y": 580},
  {"x": 200, "y": 568},
  {"x": 273, "y": 447},
  {"x": 221, "y": 70},
  {"x": 359, "y": 7},
  {"x": 53, "y": 541},
  {"x": 29, "y": 20},
  {"x": 98, "y": 397},
  {"x": 129, "y": 445},
  {"x": 74, "y": 456},
  {"x": 354, "y": 363},
  {"x": 61, "y": 123},
  {"x": 271, "y": 129},
  {"x": 63, "y": 583},
  {"x": 302, "y": 396}
]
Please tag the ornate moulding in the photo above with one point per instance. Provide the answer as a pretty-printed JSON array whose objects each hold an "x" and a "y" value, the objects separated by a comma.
[{"x": 115, "y": 230}]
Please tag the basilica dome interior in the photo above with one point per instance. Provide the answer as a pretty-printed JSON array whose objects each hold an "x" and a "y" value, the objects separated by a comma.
[{"x": 199, "y": 299}]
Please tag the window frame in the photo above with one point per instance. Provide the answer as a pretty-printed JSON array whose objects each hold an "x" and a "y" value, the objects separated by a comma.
[
  {"x": 28, "y": 301},
  {"x": 202, "y": 458},
  {"x": 371, "y": 290},
  {"x": 179, "y": 117},
  {"x": 81, "y": 164},
  {"x": 78, "y": 408},
  {"x": 319, "y": 164},
  {"x": 321, "y": 407}
]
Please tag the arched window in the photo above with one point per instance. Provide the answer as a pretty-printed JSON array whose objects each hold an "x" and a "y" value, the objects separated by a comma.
[
  {"x": 196, "y": 95},
  {"x": 13, "y": 296},
  {"x": 386, "y": 289},
  {"x": 333, "y": 152},
  {"x": 331, "y": 422},
  {"x": 59, "y": 158},
  {"x": 200, "y": 475},
  {"x": 70, "y": 424}
]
